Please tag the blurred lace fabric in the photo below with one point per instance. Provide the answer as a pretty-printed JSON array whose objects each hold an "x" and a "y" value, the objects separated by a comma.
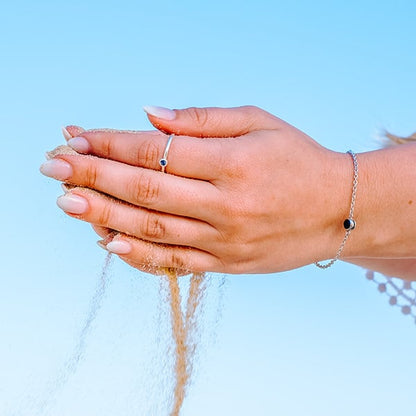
[{"x": 401, "y": 293}]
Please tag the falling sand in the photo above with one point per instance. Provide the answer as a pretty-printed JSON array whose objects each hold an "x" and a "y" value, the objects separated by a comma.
[
  {"x": 75, "y": 358},
  {"x": 184, "y": 328},
  {"x": 184, "y": 325}
]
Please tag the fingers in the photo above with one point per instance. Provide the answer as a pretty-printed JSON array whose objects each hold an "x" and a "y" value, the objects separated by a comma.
[
  {"x": 212, "y": 122},
  {"x": 188, "y": 157},
  {"x": 103, "y": 232},
  {"x": 140, "y": 187},
  {"x": 154, "y": 258},
  {"x": 108, "y": 235},
  {"x": 108, "y": 215}
]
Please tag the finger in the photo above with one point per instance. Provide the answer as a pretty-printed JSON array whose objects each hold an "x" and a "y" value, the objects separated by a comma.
[
  {"x": 187, "y": 156},
  {"x": 212, "y": 122},
  {"x": 157, "y": 271},
  {"x": 71, "y": 131},
  {"x": 138, "y": 222},
  {"x": 108, "y": 235},
  {"x": 141, "y": 187},
  {"x": 143, "y": 254},
  {"x": 103, "y": 232}
]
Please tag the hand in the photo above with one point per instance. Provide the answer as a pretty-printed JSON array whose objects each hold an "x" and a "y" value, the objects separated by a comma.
[{"x": 260, "y": 196}]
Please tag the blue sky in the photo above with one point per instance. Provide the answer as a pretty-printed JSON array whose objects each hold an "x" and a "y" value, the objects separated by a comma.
[{"x": 303, "y": 342}]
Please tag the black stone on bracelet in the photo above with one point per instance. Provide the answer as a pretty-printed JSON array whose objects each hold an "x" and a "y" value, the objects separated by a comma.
[{"x": 349, "y": 224}]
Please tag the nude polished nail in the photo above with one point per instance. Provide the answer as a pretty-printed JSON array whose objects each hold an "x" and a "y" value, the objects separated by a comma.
[
  {"x": 160, "y": 112},
  {"x": 66, "y": 134},
  {"x": 66, "y": 187},
  {"x": 119, "y": 247},
  {"x": 57, "y": 169},
  {"x": 101, "y": 243},
  {"x": 74, "y": 204},
  {"x": 74, "y": 129},
  {"x": 79, "y": 144}
]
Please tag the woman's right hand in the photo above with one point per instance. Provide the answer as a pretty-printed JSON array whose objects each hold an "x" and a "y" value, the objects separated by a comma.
[{"x": 261, "y": 198}]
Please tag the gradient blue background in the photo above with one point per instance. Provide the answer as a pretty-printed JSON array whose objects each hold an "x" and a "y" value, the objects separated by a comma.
[{"x": 306, "y": 342}]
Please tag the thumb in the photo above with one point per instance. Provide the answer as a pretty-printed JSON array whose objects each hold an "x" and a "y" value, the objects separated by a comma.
[{"x": 212, "y": 121}]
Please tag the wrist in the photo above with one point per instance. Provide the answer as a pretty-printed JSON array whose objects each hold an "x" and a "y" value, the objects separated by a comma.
[
  {"x": 341, "y": 192},
  {"x": 386, "y": 205}
]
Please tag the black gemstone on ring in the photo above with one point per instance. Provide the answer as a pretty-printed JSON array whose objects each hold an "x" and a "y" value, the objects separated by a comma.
[
  {"x": 163, "y": 162},
  {"x": 349, "y": 224}
]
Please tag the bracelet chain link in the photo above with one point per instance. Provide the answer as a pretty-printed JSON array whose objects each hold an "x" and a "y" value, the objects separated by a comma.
[{"x": 349, "y": 223}]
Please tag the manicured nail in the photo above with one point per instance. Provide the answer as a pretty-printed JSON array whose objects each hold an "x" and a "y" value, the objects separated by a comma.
[
  {"x": 57, "y": 169},
  {"x": 160, "y": 112},
  {"x": 73, "y": 204},
  {"x": 119, "y": 247},
  {"x": 79, "y": 144},
  {"x": 76, "y": 130},
  {"x": 101, "y": 243},
  {"x": 66, "y": 134},
  {"x": 66, "y": 187}
]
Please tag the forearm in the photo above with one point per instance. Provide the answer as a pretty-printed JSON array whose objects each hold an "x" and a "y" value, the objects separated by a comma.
[{"x": 386, "y": 206}]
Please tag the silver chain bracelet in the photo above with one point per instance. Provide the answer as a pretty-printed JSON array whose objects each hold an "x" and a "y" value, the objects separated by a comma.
[{"x": 349, "y": 223}]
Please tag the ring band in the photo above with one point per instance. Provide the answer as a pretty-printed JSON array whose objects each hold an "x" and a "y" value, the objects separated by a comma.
[{"x": 164, "y": 161}]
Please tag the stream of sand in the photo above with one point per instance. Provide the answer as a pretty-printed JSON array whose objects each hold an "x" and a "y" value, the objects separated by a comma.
[{"x": 184, "y": 326}]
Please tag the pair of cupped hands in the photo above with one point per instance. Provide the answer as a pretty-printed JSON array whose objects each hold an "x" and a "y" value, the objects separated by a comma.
[{"x": 243, "y": 191}]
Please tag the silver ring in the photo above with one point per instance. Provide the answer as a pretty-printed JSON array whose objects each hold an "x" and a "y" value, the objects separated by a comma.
[{"x": 164, "y": 161}]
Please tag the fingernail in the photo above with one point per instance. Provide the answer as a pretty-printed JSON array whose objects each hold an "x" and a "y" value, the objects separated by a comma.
[
  {"x": 57, "y": 169},
  {"x": 66, "y": 187},
  {"x": 76, "y": 130},
  {"x": 73, "y": 204},
  {"x": 160, "y": 112},
  {"x": 79, "y": 144},
  {"x": 119, "y": 247},
  {"x": 66, "y": 134},
  {"x": 101, "y": 243}
]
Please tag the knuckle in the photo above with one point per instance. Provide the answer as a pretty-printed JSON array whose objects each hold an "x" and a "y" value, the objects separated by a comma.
[
  {"x": 252, "y": 115},
  {"x": 231, "y": 216},
  {"x": 232, "y": 162},
  {"x": 144, "y": 190},
  {"x": 200, "y": 116},
  {"x": 105, "y": 216},
  {"x": 237, "y": 258},
  {"x": 176, "y": 260},
  {"x": 91, "y": 176},
  {"x": 153, "y": 228},
  {"x": 257, "y": 118},
  {"x": 236, "y": 166},
  {"x": 250, "y": 109},
  {"x": 148, "y": 154},
  {"x": 108, "y": 147},
  {"x": 253, "y": 112}
]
